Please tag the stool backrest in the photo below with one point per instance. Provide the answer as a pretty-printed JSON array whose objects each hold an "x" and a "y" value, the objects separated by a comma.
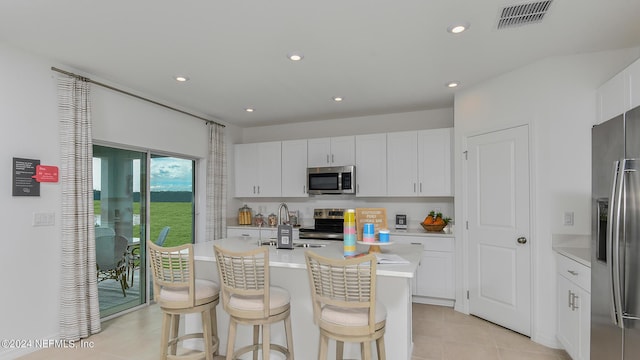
[
  {"x": 172, "y": 268},
  {"x": 245, "y": 274},
  {"x": 347, "y": 283}
]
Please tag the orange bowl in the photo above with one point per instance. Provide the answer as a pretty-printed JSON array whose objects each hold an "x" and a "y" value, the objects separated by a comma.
[{"x": 433, "y": 228}]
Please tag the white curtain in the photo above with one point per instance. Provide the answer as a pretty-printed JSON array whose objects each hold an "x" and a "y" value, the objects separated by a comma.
[
  {"x": 79, "y": 308},
  {"x": 216, "y": 184}
]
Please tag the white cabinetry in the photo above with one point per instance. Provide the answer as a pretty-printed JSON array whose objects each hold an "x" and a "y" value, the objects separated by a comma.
[
  {"x": 574, "y": 306},
  {"x": 634, "y": 84},
  {"x": 419, "y": 163},
  {"x": 334, "y": 151},
  {"x": 265, "y": 233},
  {"x": 434, "y": 281},
  {"x": 371, "y": 165},
  {"x": 294, "y": 168},
  {"x": 258, "y": 169},
  {"x": 620, "y": 93}
]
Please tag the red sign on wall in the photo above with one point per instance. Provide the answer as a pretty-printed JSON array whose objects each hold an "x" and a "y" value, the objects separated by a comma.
[{"x": 46, "y": 173}]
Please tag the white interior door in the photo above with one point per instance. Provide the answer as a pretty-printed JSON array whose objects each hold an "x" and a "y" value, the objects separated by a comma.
[{"x": 498, "y": 228}]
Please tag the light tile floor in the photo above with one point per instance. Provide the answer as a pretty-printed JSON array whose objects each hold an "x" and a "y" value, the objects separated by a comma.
[{"x": 438, "y": 333}]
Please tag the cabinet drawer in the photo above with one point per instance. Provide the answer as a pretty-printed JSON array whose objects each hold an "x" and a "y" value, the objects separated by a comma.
[
  {"x": 428, "y": 243},
  {"x": 575, "y": 272}
]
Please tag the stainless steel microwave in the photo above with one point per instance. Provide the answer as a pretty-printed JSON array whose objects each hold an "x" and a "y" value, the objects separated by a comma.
[{"x": 331, "y": 180}]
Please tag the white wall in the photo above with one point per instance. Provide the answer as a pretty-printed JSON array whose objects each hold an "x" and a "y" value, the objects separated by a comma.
[
  {"x": 415, "y": 120},
  {"x": 557, "y": 98},
  {"x": 31, "y": 255}
]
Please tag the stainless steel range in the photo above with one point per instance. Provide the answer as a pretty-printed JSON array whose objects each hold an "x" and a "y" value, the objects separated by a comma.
[{"x": 328, "y": 225}]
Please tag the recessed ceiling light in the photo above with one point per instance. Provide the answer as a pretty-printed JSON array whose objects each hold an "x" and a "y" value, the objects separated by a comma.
[
  {"x": 249, "y": 110},
  {"x": 295, "y": 56},
  {"x": 337, "y": 98},
  {"x": 182, "y": 78},
  {"x": 452, "y": 84},
  {"x": 458, "y": 28}
]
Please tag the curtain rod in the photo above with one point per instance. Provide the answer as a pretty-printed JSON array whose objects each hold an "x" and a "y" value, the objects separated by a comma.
[{"x": 134, "y": 95}]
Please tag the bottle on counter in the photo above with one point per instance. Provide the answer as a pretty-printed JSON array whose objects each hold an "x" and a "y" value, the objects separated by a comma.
[
  {"x": 244, "y": 215},
  {"x": 272, "y": 220},
  {"x": 258, "y": 220},
  {"x": 349, "y": 232}
]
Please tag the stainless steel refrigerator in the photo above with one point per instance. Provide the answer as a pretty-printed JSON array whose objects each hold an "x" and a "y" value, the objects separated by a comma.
[{"x": 615, "y": 245}]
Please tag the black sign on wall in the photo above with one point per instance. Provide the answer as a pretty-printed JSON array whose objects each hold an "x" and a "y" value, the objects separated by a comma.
[{"x": 23, "y": 182}]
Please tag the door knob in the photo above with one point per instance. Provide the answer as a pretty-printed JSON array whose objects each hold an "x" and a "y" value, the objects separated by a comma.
[{"x": 522, "y": 240}]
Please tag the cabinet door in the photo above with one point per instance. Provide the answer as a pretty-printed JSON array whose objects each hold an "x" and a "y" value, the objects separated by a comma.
[
  {"x": 568, "y": 318},
  {"x": 319, "y": 152},
  {"x": 585, "y": 325},
  {"x": 246, "y": 162},
  {"x": 343, "y": 151},
  {"x": 371, "y": 165},
  {"x": 294, "y": 168},
  {"x": 402, "y": 163},
  {"x": 436, "y": 275},
  {"x": 611, "y": 98},
  {"x": 269, "y": 169},
  {"x": 434, "y": 162},
  {"x": 634, "y": 84}
]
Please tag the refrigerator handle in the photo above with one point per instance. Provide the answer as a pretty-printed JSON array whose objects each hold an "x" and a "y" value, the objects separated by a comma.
[{"x": 613, "y": 240}]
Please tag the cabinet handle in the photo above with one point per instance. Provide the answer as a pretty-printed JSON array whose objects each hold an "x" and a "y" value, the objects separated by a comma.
[
  {"x": 304, "y": 189},
  {"x": 570, "y": 298},
  {"x": 420, "y": 188},
  {"x": 332, "y": 158},
  {"x": 254, "y": 189},
  {"x": 574, "y": 303},
  {"x": 414, "y": 187},
  {"x": 327, "y": 158},
  {"x": 258, "y": 189},
  {"x": 574, "y": 273}
]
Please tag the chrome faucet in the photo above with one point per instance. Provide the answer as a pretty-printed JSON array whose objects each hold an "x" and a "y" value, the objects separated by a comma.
[{"x": 281, "y": 219}]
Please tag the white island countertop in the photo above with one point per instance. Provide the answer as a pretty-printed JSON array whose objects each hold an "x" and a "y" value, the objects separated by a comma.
[
  {"x": 294, "y": 259},
  {"x": 288, "y": 270}
]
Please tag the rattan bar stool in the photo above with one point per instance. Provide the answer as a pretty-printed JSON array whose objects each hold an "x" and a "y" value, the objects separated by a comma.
[
  {"x": 178, "y": 292},
  {"x": 249, "y": 299},
  {"x": 344, "y": 303}
]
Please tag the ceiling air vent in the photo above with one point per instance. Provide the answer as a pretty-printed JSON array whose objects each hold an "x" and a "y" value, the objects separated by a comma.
[{"x": 516, "y": 15}]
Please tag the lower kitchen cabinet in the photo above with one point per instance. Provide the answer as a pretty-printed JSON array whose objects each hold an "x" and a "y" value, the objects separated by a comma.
[
  {"x": 574, "y": 307},
  {"x": 434, "y": 280},
  {"x": 254, "y": 232}
]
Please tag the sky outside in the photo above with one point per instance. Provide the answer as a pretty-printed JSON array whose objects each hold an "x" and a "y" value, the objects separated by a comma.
[{"x": 167, "y": 174}]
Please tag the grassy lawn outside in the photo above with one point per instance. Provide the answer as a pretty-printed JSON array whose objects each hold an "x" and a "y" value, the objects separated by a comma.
[{"x": 177, "y": 215}]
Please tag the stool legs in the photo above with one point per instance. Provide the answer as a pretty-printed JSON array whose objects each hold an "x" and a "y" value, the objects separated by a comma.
[{"x": 289, "y": 334}]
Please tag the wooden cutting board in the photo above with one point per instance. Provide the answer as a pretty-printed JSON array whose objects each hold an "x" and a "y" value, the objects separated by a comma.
[{"x": 377, "y": 216}]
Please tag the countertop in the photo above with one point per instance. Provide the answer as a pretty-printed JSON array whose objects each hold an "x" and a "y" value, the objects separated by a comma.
[
  {"x": 411, "y": 231},
  {"x": 294, "y": 259},
  {"x": 575, "y": 247}
]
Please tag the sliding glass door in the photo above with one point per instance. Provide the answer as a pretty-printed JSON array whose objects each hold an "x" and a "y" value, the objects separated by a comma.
[{"x": 120, "y": 198}]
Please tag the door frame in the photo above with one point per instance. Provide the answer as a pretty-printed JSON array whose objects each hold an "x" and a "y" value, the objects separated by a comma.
[{"x": 462, "y": 236}]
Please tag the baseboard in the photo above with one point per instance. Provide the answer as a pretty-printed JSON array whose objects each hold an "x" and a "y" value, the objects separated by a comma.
[{"x": 433, "y": 301}]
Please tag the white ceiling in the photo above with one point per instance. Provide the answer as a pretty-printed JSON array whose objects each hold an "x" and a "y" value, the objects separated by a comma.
[{"x": 382, "y": 56}]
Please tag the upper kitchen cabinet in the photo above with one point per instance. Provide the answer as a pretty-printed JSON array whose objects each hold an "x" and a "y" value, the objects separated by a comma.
[
  {"x": 611, "y": 97},
  {"x": 419, "y": 163},
  {"x": 334, "y": 151},
  {"x": 634, "y": 85},
  {"x": 620, "y": 94},
  {"x": 258, "y": 169},
  {"x": 371, "y": 165},
  {"x": 434, "y": 162},
  {"x": 294, "y": 168}
]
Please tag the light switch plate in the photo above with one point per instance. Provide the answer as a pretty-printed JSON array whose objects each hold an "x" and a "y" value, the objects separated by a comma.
[
  {"x": 568, "y": 218},
  {"x": 44, "y": 219}
]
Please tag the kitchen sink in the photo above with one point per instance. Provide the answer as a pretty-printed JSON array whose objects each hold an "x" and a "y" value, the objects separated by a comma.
[{"x": 274, "y": 242}]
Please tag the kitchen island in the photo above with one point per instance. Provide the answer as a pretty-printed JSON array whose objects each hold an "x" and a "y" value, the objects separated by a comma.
[{"x": 288, "y": 270}]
